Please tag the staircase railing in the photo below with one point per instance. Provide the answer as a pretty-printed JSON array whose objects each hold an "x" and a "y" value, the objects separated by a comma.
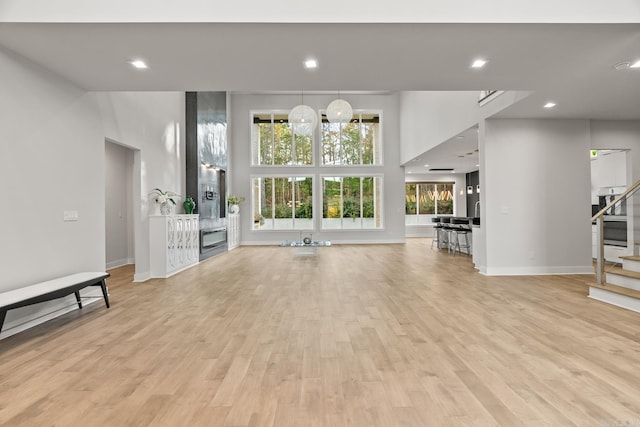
[{"x": 599, "y": 219}]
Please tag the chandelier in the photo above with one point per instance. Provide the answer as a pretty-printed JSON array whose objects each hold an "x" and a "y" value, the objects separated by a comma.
[
  {"x": 339, "y": 111},
  {"x": 303, "y": 119}
]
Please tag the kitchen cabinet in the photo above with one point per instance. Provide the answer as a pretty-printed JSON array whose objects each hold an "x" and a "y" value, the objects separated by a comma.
[
  {"x": 612, "y": 253},
  {"x": 609, "y": 170}
]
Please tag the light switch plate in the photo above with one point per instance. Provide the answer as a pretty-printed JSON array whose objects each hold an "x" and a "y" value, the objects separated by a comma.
[{"x": 70, "y": 215}]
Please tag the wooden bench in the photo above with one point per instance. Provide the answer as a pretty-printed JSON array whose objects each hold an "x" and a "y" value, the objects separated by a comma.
[{"x": 50, "y": 290}]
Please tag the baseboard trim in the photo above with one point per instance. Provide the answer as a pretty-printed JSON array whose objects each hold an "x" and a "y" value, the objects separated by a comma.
[
  {"x": 538, "y": 271},
  {"x": 333, "y": 242},
  {"x": 50, "y": 310},
  {"x": 141, "y": 277},
  {"x": 120, "y": 263}
]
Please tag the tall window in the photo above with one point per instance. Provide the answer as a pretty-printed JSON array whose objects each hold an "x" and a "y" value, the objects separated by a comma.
[
  {"x": 427, "y": 198},
  {"x": 282, "y": 203},
  {"x": 351, "y": 202},
  {"x": 355, "y": 143},
  {"x": 273, "y": 143}
]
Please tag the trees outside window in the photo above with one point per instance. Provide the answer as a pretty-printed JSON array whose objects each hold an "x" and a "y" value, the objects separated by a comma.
[
  {"x": 427, "y": 198},
  {"x": 351, "y": 202},
  {"x": 282, "y": 200},
  {"x": 274, "y": 144},
  {"x": 354, "y": 143},
  {"x": 282, "y": 203}
]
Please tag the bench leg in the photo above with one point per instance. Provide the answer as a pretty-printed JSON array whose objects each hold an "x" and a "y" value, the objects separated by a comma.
[
  {"x": 3, "y": 313},
  {"x": 78, "y": 299},
  {"x": 103, "y": 285}
]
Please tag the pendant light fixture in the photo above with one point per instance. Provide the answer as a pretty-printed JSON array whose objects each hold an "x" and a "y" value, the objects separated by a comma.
[
  {"x": 339, "y": 111},
  {"x": 303, "y": 119}
]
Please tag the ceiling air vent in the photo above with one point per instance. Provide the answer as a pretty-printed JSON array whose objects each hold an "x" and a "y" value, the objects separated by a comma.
[{"x": 441, "y": 170}]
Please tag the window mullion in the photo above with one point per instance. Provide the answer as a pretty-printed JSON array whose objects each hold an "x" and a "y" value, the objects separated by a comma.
[
  {"x": 361, "y": 201},
  {"x": 273, "y": 140},
  {"x": 342, "y": 202},
  {"x": 360, "y": 144},
  {"x": 293, "y": 202},
  {"x": 273, "y": 203},
  {"x": 293, "y": 149},
  {"x": 340, "y": 143},
  {"x": 435, "y": 199}
]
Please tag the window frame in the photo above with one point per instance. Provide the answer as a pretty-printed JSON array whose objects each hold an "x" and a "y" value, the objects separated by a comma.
[
  {"x": 293, "y": 218},
  {"x": 418, "y": 215},
  {"x": 379, "y": 113},
  {"x": 254, "y": 147},
  {"x": 379, "y": 200}
]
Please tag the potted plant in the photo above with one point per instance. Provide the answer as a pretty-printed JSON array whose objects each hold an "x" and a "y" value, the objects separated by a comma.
[
  {"x": 234, "y": 203},
  {"x": 165, "y": 199}
]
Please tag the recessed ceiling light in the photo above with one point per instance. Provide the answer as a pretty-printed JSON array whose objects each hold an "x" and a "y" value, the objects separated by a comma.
[
  {"x": 479, "y": 63},
  {"x": 477, "y": 165},
  {"x": 139, "y": 64},
  {"x": 549, "y": 105},
  {"x": 310, "y": 64},
  {"x": 627, "y": 65},
  {"x": 426, "y": 166}
]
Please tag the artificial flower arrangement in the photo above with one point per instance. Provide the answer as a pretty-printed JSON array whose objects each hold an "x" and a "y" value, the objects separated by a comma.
[{"x": 164, "y": 197}]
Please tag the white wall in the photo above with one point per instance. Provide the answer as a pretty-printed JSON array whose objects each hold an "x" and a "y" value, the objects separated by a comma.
[
  {"x": 535, "y": 198},
  {"x": 429, "y": 118},
  {"x": 52, "y": 159},
  {"x": 151, "y": 123},
  {"x": 118, "y": 209},
  {"x": 240, "y": 161},
  {"x": 351, "y": 11}
]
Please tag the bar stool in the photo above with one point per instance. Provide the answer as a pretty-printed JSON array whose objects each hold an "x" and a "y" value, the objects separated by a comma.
[
  {"x": 463, "y": 232},
  {"x": 445, "y": 233},
  {"x": 435, "y": 238}
]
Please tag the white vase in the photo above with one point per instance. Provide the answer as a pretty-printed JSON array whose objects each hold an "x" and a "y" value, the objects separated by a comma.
[
  {"x": 165, "y": 209},
  {"x": 234, "y": 209}
]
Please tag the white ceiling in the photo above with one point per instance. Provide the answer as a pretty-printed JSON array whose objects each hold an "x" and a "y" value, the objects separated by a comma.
[
  {"x": 459, "y": 153},
  {"x": 571, "y": 64}
]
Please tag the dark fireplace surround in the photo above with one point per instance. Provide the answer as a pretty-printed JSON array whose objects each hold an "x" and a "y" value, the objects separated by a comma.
[{"x": 206, "y": 166}]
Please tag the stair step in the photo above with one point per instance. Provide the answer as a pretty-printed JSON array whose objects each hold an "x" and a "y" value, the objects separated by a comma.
[
  {"x": 622, "y": 272},
  {"x": 631, "y": 257},
  {"x": 631, "y": 263},
  {"x": 617, "y": 289}
]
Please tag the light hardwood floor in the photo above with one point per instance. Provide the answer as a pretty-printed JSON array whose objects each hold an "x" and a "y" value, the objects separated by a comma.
[{"x": 376, "y": 335}]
